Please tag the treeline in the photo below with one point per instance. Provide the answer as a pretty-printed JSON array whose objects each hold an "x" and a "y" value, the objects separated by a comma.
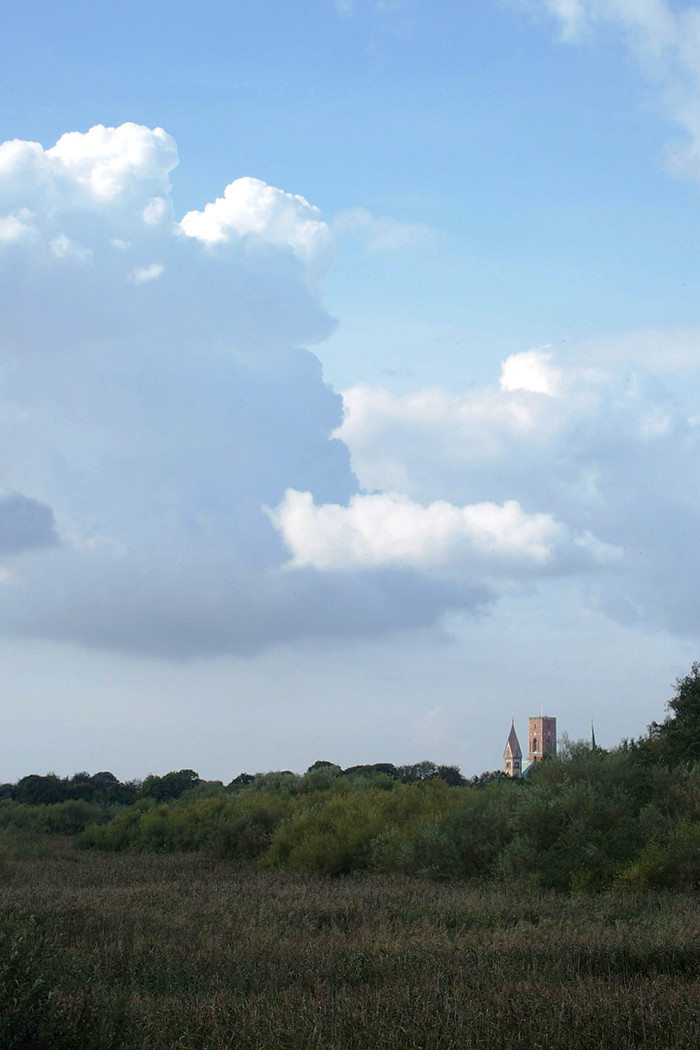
[
  {"x": 68, "y": 805},
  {"x": 104, "y": 788},
  {"x": 586, "y": 820}
]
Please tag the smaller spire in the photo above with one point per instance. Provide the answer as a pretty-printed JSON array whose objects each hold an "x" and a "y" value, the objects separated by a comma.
[
  {"x": 513, "y": 756},
  {"x": 594, "y": 746},
  {"x": 513, "y": 744}
]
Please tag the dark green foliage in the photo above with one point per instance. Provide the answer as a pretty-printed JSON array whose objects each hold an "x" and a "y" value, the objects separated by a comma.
[
  {"x": 319, "y": 776},
  {"x": 29, "y": 1014},
  {"x": 170, "y": 786},
  {"x": 377, "y": 770},
  {"x": 37, "y": 790},
  {"x": 110, "y": 791},
  {"x": 285, "y": 781},
  {"x": 242, "y": 780},
  {"x": 677, "y": 739},
  {"x": 35, "y": 1012},
  {"x": 451, "y": 775},
  {"x": 61, "y": 818},
  {"x": 586, "y": 821},
  {"x": 418, "y": 772},
  {"x": 582, "y": 821},
  {"x": 488, "y": 778},
  {"x": 103, "y": 788},
  {"x": 247, "y": 837},
  {"x": 577, "y": 823}
]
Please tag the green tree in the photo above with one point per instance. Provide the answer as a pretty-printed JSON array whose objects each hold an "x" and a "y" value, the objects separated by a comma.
[
  {"x": 38, "y": 790},
  {"x": 170, "y": 786},
  {"x": 677, "y": 739}
]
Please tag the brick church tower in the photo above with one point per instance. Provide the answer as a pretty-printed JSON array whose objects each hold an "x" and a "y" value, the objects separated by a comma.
[{"x": 542, "y": 737}]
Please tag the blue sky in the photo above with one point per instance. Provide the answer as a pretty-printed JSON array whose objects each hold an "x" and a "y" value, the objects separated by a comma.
[{"x": 394, "y": 439}]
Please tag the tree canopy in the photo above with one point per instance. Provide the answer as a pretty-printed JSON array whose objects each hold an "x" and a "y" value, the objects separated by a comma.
[{"x": 677, "y": 738}]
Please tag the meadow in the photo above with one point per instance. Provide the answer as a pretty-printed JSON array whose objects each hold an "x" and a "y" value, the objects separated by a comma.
[{"x": 183, "y": 950}]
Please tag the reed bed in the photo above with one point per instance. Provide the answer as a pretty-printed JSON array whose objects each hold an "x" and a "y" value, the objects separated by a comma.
[{"x": 183, "y": 951}]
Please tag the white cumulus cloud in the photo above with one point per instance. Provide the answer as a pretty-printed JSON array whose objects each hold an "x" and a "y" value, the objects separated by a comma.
[
  {"x": 390, "y": 531},
  {"x": 250, "y": 207},
  {"x": 603, "y": 445},
  {"x": 531, "y": 370},
  {"x": 105, "y": 163}
]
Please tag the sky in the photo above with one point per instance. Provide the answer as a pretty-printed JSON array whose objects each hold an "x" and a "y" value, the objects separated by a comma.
[{"x": 349, "y": 379}]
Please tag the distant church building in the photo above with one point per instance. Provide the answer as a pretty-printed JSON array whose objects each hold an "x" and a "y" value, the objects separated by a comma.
[
  {"x": 513, "y": 756},
  {"x": 542, "y": 736},
  {"x": 542, "y": 740}
]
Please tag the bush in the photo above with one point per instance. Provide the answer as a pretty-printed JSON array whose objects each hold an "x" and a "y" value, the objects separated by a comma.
[
  {"x": 247, "y": 837},
  {"x": 670, "y": 861}
]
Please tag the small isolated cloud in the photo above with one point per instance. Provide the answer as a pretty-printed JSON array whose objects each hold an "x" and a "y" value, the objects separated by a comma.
[
  {"x": 382, "y": 234},
  {"x": 142, "y": 274}
]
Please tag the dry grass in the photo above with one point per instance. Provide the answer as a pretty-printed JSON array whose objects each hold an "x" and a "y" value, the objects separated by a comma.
[{"x": 159, "y": 952}]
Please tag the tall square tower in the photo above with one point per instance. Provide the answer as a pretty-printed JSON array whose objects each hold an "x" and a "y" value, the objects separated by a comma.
[{"x": 542, "y": 737}]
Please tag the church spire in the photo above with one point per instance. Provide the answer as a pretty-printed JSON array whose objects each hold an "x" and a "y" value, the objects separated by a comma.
[{"x": 513, "y": 756}]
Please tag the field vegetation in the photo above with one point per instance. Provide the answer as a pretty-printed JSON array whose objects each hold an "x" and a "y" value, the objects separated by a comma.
[
  {"x": 378, "y": 906},
  {"x": 159, "y": 951}
]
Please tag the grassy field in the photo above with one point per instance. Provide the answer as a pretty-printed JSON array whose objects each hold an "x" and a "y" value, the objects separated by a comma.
[{"x": 154, "y": 951}]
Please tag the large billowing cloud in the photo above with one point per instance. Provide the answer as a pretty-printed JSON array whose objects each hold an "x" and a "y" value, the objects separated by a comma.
[{"x": 176, "y": 478}]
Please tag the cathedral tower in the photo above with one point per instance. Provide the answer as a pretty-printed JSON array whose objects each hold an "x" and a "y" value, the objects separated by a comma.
[{"x": 542, "y": 737}]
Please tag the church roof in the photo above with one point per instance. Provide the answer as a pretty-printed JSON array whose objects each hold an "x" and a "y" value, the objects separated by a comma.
[{"x": 512, "y": 744}]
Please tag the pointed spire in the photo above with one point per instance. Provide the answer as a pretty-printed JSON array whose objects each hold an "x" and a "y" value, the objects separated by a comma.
[
  {"x": 513, "y": 756},
  {"x": 513, "y": 744},
  {"x": 594, "y": 746}
]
